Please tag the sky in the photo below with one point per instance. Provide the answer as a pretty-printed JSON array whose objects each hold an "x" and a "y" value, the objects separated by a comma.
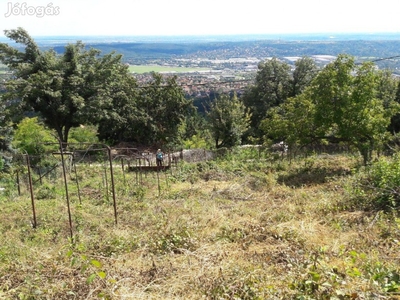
[{"x": 198, "y": 17}]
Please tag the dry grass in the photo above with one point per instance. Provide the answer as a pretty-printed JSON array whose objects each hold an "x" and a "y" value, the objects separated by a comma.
[{"x": 276, "y": 231}]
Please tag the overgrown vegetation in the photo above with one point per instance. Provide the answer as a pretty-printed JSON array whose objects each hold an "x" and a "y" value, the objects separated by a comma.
[
  {"x": 244, "y": 226},
  {"x": 242, "y": 223}
]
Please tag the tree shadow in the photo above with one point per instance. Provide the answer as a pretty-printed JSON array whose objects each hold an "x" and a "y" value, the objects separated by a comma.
[{"x": 312, "y": 176}]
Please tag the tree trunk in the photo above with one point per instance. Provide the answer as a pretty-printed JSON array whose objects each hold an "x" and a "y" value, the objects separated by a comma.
[
  {"x": 60, "y": 134},
  {"x": 366, "y": 150},
  {"x": 63, "y": 136}
]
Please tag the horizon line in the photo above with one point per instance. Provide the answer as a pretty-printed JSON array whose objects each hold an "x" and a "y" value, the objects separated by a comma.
[{"x": 223, "y": 34}]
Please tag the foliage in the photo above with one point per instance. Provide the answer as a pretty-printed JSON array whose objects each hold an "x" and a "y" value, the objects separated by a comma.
[
  {"x": 164, "y": 106},
  {"x": 226, "y": 228},
  {"x": 119, "y": 110},
  {"x": 304, "y": 72},
  {"x": 196, "y": 142},
  {"x": 194, "y": 132},
  {"x": 149, "y": 115},
  {"x": 275, "y": 82},
  {"x": 6, "y": 136},
  {"x": 271, "y": 89},
  {"x": 31, "y": 137},
  {"x": 5, "y": 132},
  {"x": 342, "y": 104},
  {"x": 394, "y": 126},
  {"x": 83, "y": 134},
  {"x": 228, "y": 119},
  {"x": 379, "y": 187},
  {"x": 68, "y": 90},
  {"x": 322, "y": 282}
]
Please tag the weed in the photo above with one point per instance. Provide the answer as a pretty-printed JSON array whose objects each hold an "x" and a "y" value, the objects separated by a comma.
[
  {"x": 173, "y": 241},
  {"x": 378, "y": 186},
  {"x": 241, "y": 227},
  {"x": 46, "y": 191}
]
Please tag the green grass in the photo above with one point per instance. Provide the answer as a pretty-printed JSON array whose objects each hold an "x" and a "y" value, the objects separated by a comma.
[
  {"x": 235, "y": 228},
  {"x": 158, "y": 69},
  {"x": 141, "y": 69}
]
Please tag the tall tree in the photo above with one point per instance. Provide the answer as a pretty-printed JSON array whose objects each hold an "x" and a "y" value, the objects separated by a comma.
[
  {"x": 304, "y": 72},
  {"x": 342, "y": 104},
  {"x": 165, "y": 107},
  {"x": 394, "y": 126},
  {"x": 6, "y": 134},
  {"x": 272, "y": 87},
  {"x": 228, "y": 119},
  {"x": 66, "y": 90},
  {"x": 150, "y": 116}
]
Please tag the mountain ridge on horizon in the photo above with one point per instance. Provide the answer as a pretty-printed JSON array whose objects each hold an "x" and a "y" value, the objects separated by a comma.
[
  {"x": 90, "y": 39},
  {"x": 145, "y": 50}
]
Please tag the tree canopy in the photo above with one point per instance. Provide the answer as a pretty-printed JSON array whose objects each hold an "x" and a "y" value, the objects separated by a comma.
[
  {"x": 151, "y": 117},
  {"x": 228, "y": 119},
  {"x": 342, "y": 104},
  {"x": 275, "y": 82},
  {"x": 66, "y": 90}
]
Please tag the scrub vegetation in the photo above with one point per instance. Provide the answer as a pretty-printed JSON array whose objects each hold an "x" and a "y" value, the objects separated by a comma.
[
  {"x": 296, "y": 195},
  {"x": 238, "y": 227}
]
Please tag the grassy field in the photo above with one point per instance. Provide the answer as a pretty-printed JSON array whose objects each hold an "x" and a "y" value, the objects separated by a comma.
[
  {"x": 145, "y": 69},
  {"x": 160, "y": 69},
  {"x": 235, "y": 228}
]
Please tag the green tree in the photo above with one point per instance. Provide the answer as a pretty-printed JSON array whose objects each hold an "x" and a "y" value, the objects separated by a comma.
[
  {"x": 194, "y": 131},
  {"x": 66, "y": 90},
  {"x": 151, "y": 115},
  {"x": 341, "y": 104},
  {"x": 6, "y": 134},
  {"x": 228, "y": 119},
  {"x": 304, "y": 72},
  {"x": 165, "y": 107},
  {"x": 120, "y": 111},
  {"x": 31, "y": 136},
  {"x": 271, "y": 88},
  {"x": 83, "y": 134},
  {"x": 394, "y": 126}
]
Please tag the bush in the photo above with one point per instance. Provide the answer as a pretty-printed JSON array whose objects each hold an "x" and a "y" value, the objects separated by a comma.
[
  {"x": 83, "y": 134},
  {"x": 381, "y": 183},
  {"x": 34, "y": 138}
]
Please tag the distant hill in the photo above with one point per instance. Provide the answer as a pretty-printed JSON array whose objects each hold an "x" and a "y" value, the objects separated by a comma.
[
  {"x": 259, "y": 49},
  {"x": 142, "y": 49}
]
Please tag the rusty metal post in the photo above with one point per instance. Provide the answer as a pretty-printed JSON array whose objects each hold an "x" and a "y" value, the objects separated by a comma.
[
  {"x": 40, "y": 175},
  {"x": 144, "y": 164},
  {"x": 140, "y": 171},
  {"x": 158, "y": 181},
  {"x": 77, "y": 181},
  {"x": 123, "y": 170},
  {"x": 112, "y": 183},
  {"x": 18, "y": 184},
  {"x": 66, "y": 189},
  {"x": 106, "y": 180},
  {"x": 34, "y": 224}
]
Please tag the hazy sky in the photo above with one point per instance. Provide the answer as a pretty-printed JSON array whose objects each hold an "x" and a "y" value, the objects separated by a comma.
[{"x": 198, "y": 17}]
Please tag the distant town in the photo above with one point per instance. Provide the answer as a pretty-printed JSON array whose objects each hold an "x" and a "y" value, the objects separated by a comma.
[{"x": 208, "y": 65}]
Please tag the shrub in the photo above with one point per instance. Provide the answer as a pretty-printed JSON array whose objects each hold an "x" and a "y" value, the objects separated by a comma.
[
  {"x": 83, "y": 134},
  {"x": 381, "y": 183},
  {"x": 32, "y": 137}
]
